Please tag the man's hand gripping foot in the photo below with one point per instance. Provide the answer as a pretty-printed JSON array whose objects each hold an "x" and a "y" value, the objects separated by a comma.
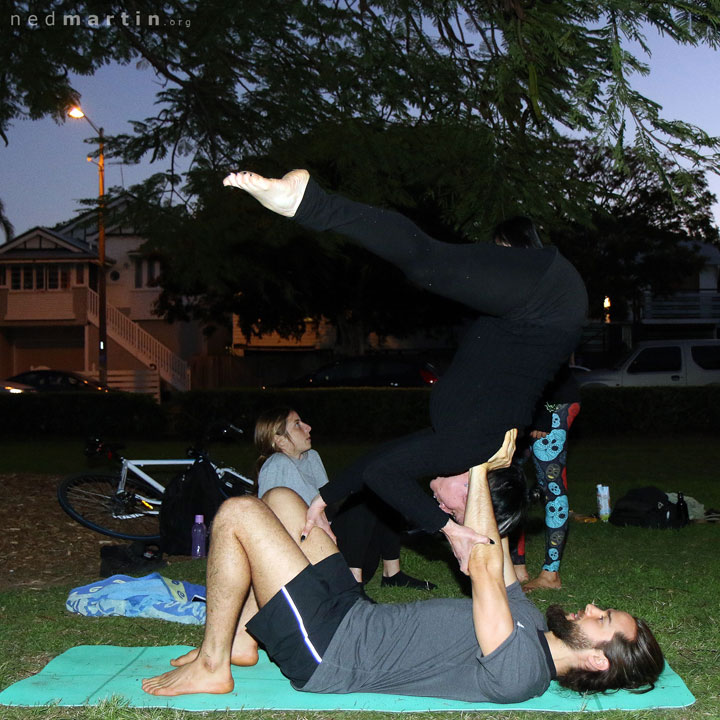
[{"x": 283, "y": 196}]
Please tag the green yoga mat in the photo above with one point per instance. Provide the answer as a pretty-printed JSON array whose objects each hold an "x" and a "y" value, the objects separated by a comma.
[{"x": 91, "y": 674}]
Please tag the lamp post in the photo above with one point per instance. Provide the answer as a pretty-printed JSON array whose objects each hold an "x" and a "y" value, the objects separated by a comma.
[{"x": 77, "y": 113}]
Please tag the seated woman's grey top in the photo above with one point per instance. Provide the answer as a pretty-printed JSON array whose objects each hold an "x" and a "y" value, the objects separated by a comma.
[{"x": 305, "y": 476}]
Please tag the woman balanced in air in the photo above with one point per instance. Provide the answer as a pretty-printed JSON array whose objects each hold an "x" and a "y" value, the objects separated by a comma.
[{"x": 530, "y": 305}]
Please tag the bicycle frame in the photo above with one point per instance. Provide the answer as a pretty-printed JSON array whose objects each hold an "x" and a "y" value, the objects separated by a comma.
[{"x": 135, "y": 466}]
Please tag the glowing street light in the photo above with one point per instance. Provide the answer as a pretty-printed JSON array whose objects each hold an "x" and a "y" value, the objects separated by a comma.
[{"x": 77, "y": 113}]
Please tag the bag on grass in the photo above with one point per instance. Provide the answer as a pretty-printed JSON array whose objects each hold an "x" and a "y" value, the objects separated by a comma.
[
  {"x": 647, "y": 507},
  {"x": 194, "y": 492}
]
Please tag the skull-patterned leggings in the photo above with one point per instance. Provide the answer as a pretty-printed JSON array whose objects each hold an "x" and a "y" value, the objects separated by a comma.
[{"x": 549, "y": 456}]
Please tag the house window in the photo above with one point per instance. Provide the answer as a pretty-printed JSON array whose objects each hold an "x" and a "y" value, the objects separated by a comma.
[
  {"x": 146, "y": 272},
  {"x": 138, "y": 272},
  {"x": 53, "y": 280},
  {"x": 79, "y": 274},
  {"x": 39, "y": 277},
  {"x": 2, "y": 276},
  {"x": 64, "y": 272}
]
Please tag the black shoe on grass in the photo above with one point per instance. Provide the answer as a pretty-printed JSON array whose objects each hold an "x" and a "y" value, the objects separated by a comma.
[{"x": 400, "y": 579}]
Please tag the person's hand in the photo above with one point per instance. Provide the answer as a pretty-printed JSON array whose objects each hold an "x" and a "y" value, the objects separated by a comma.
[
  {"x": 462, "y": 540},
  {"x": 316, "y": 518},
  {"x": 503, "y": 457},
  {"x": 538, "y": 434}
]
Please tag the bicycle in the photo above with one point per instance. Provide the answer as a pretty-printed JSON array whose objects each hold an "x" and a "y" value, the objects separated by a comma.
[{"x": 126, "y": 504}]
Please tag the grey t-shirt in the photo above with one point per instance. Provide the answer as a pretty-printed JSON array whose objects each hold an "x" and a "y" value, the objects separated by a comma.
[
  {"x": 429, "y": 648},
  {"x": 305, "y": 476}
]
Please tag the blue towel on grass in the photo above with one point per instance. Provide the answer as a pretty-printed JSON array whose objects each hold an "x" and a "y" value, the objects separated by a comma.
[{"x": 151, "y": 596}]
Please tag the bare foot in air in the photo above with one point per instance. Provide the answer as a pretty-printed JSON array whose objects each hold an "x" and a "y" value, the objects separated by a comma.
[
  {"x": 197, "y": 676},
  {"x": 521, "y": 573},
  {"x": 282, "y": 196},
  {"x": 546, "y": 580}
]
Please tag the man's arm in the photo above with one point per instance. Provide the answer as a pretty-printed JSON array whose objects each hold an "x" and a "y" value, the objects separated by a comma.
[{"x": 491, "y": 611}]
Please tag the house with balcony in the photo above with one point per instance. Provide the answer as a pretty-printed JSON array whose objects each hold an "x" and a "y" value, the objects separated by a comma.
[
  {"x": 691, "y": 311},
  {"x": 49, "y": 309},
  {"x": 695, "y": 306}
]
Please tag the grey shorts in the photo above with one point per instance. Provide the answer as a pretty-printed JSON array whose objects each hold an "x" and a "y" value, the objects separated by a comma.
[{"x": 297, "y": 624}]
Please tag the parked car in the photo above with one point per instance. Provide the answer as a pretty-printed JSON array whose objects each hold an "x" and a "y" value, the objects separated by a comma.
[
  {"x": 57, "y": 381},
  {"x": 370, "y": 371},
  {"x": 672, "y": 363},
  {"x": 15, "y": 387}
]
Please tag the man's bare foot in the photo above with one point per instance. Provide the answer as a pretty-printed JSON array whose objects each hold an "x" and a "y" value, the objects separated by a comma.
[
  {"x": 188, "y": 657},
  {"x": 283, "y": 196},
  {"x": 521, "y": 573},
  {"x": 244, "y": 654},
  {"x": 546, "y": 580},
  {"x": 197, "y": 676}
]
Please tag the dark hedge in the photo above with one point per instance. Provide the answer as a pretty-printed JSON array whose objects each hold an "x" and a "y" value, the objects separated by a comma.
[{"x": 341, "y": 414}]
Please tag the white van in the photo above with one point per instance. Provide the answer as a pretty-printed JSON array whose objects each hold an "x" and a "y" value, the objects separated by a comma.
[{"x": 671, "y": 363}]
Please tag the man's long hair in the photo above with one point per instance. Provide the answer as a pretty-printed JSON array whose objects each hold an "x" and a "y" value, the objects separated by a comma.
[
  {"x": 510, "y": 498},
  {"x": 634, "y": 665}
]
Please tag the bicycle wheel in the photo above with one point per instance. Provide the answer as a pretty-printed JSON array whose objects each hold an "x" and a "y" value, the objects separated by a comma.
[{"x": 94, "y": 501}]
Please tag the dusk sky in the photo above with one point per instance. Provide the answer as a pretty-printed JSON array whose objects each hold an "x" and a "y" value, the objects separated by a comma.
[{"x": 44, "y": 173}]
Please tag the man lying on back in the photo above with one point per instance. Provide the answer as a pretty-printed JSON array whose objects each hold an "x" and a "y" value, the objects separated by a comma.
[{"x": 325, "y": 636}]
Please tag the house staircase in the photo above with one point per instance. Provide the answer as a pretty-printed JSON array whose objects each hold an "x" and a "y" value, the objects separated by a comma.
[{"x": 171, "y": 368}]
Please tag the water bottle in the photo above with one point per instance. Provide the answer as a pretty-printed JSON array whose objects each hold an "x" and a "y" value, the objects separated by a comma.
[
  {"x": 603, "y": 502},
  {"x": 198, "y": 535},
  {"x": 682, "y": 510}
]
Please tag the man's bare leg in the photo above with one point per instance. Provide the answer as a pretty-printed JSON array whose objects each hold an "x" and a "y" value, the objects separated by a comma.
[
  {"x": 290, "y": 509},
  {"x": 281, "y": 195},
  {"x": 244, "y": 652},
  {"x": 248, "y": 542}
]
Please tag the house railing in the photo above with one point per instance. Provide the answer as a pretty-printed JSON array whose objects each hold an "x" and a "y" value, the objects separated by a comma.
[
  {"x": 127, "y": 333},
  {"x": 682, "y": 306}
]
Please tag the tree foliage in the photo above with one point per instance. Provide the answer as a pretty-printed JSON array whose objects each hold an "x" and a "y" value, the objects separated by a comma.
[
  {"x": 636, "y": 237},
  {"x": 239, "y": 77},
  {"x": 452, "y": 111}
]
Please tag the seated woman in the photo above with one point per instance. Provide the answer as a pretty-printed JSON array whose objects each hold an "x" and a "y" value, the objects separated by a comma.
[{"x": 288, "y": 460}]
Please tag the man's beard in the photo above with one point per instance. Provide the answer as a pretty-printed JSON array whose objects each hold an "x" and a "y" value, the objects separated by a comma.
[{"x": 566, "y": 630}]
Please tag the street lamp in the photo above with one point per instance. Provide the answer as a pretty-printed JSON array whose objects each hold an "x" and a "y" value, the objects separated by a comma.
[{"x": 77, "y": 113}]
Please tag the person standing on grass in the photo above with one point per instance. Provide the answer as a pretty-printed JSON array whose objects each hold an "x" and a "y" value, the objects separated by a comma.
[
  {"x": 530, "y": 305},
  {"x": 559, "y": 407},
  {"x": 326, "y": 638},
  {"x": 548, "y": 449},
  {"x": 287, "y": 460}
]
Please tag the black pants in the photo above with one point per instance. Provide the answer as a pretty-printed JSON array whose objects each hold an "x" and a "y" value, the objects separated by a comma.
[
  {"x": 531, "y": 304},
  {"x": 367, "y": 530}
]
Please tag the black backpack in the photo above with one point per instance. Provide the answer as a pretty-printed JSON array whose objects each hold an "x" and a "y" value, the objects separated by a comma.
[
  {"x": 647, "y": 507},
  {"x": 195, "y": 492}
]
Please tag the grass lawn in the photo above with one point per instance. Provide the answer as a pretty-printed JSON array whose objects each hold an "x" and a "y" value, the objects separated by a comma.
[{"x": 667, "y": 577}]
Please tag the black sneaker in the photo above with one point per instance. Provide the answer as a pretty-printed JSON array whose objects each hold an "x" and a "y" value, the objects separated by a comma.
[{"x": 400, "y": 579}]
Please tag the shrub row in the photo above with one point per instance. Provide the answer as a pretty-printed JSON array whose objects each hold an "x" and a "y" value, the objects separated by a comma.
[
  {"x": 348, "y": 414},
  {"x": 81, "y": 414}
]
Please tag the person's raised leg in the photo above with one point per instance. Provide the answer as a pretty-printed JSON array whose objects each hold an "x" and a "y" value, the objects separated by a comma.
[
  {"x": 248, "y": 543},
  {"x": 281, "y": 195}
]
